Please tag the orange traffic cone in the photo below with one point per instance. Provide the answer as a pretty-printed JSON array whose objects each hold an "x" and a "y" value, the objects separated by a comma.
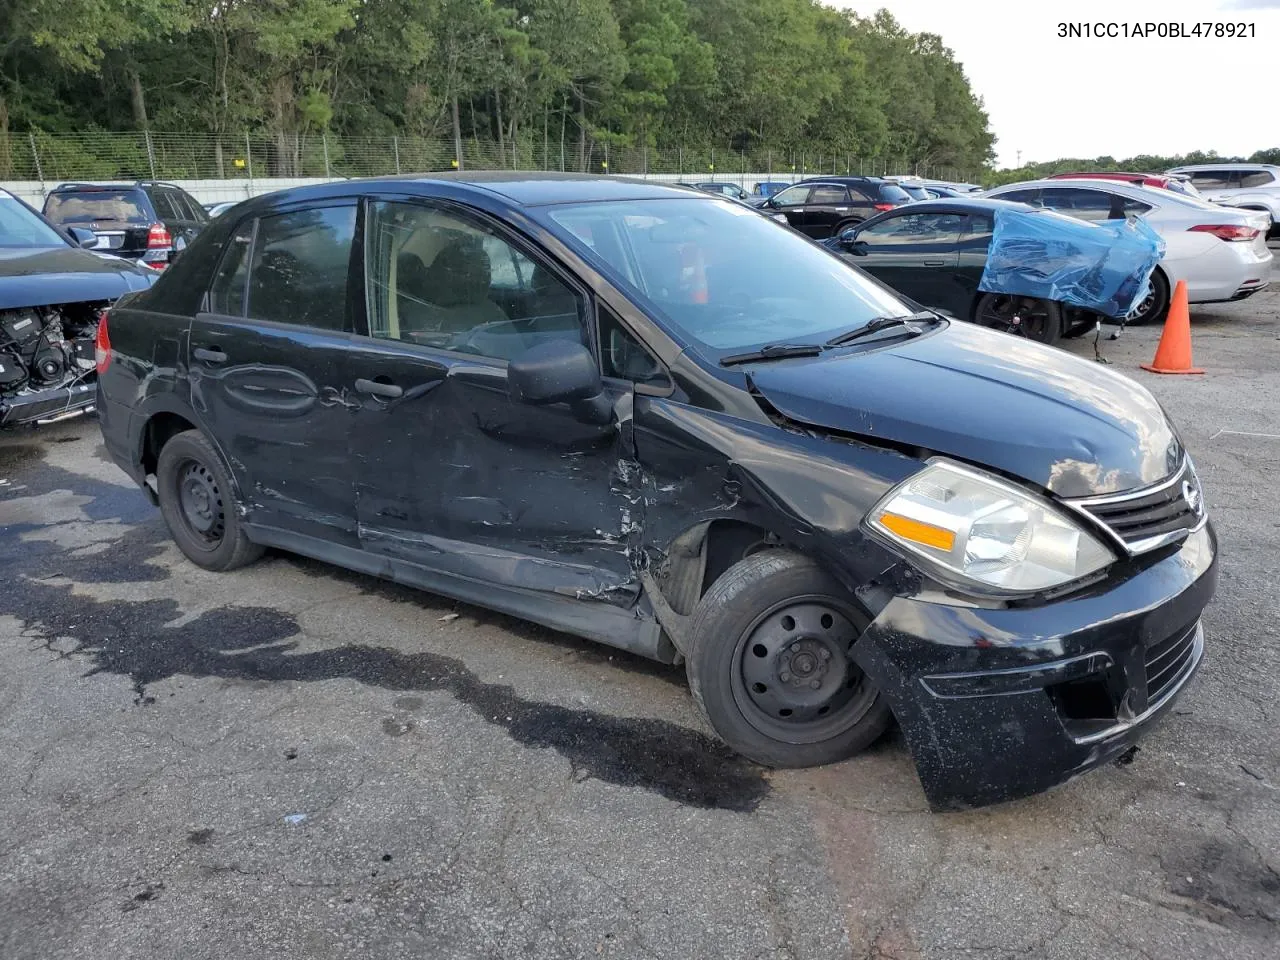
[{"x": 1173, "y": 355}]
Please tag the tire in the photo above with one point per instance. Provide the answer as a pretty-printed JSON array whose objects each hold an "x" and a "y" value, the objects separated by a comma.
[
  {"x": 1156, "y": 305},
  {"x": 198, "y": 504},
  {"x": 844, "y": 225},
  {"x": 773, "y": 613},
  {"x": 1038, "y": 320}
]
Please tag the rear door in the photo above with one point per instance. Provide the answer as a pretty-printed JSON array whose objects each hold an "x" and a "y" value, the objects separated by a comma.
[
  {"x": 827, "y": 206},
  {"x": 451, "y": 473},
  {"x": 268, "y": 368},
  {"x": 917, "y": 254}
]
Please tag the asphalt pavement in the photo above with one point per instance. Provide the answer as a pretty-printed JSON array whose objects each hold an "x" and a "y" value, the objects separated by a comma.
[{"x": 292, "y": 761}]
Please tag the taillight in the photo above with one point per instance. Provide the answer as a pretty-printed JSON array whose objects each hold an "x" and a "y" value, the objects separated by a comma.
[
  {"x": 882, "y": 206},
  {"x": 102, "y": 345},
  {"x": 1227, "y": 231},
  {"x": 158, "y": 236}
]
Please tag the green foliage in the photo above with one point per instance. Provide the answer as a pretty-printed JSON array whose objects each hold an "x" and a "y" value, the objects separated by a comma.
[
  {"x": 1144, "y": 163},
  {"x": 789, "y": 75}
]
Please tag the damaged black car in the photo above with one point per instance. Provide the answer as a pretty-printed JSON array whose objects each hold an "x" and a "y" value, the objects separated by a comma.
[
  {"x": 665, "y": 423},
  {"x": 51, "y": 294}
]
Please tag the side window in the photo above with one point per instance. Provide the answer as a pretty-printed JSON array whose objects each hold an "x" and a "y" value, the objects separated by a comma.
[
  {"x": 164, "y": 208},
  {"x": 915, "y": 228},
  {"x": 226, "y": 295},
  {"x": 830, "y": 195},
  {"x": 1021, "y": 196},
  {"x": 299, "y": 269},
  {"x": 1135, "y": 208},
  {"x": 792, "y": 196},
  {"x": 192, "y": 205},
  {"x": 440, "y": 280},
  {"x": 1092, "y": 205},
  {"x": 623, "y": 357},
  {"x": 1255, "y": 178},
  {"x": 978, "y": 229},
  {"x": 1214, "y": 179}
]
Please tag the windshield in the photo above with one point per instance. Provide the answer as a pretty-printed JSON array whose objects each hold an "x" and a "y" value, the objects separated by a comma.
[
  {"x": 915, "y": 192},
  {"x": 20, "y": 227},
  {"x": 115, "y": 206},
  {"x": 724, "y": 275}
]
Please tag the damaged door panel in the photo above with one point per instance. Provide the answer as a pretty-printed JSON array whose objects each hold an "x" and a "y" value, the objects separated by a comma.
[{"x": 268, "y": 370}]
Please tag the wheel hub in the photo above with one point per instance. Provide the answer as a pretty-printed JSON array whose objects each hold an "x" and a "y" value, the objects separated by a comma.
[
  {"x": 201, "y": 502},
  {"x": 795, "y": 666}
]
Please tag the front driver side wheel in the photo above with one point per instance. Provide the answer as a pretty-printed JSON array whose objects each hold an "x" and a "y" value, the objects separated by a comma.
[{"x": 770, "y": 664}]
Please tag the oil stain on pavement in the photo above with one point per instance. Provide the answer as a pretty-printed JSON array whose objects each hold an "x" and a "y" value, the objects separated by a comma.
[{"x": 134, "y": 639}]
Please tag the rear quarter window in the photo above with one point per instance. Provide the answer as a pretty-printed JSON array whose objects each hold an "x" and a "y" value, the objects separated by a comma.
[
  {"x": 1256, "y": 178},
  {"x": 102, "y": 206},
  {"x": 892, "y": 193}
]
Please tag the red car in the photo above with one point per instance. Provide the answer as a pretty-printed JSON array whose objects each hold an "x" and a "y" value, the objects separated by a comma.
[{"x": 1176, "y": 184}]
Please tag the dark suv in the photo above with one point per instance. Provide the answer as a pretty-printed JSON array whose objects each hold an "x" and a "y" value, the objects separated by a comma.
[
  {"x": 823, "y": 206},
  {"x": 147, "y": 221},
  {"x": 642, "y": 415}
]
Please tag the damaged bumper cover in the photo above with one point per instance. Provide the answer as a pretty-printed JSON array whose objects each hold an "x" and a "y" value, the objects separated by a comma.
[{"x": 997, "y": 704}]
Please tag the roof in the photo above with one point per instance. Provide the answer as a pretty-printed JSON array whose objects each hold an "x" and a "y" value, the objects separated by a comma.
[
  {"x": 974, "y": 204},
  {"x": 1224, "y": 166},
  {"x": 532, "y": 188}
]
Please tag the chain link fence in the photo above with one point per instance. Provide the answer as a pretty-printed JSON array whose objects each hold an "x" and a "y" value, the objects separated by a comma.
[{"x": 56, "y": 158}]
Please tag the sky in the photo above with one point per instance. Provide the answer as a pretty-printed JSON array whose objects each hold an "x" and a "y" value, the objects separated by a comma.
[{"x": 1051, "y": 97}]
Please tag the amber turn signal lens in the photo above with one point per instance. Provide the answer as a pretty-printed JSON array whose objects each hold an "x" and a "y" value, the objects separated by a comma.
[{"x": 925, "y": 534}]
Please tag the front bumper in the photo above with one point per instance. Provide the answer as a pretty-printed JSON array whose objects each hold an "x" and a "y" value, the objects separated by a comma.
[{"x": 1000, "y": 704}]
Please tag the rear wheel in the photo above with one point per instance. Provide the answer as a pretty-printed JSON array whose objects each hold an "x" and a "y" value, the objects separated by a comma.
[
  {"x": 770, "y": 664},
  {"x": 1152, "y": 307},
  {"x": 198, "y": 505},
  {"x": 1039, "y": 320}
]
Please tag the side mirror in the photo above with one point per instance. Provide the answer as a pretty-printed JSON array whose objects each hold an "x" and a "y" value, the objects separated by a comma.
[
  {"x": 849, "y": 240},
  {"x": 83, "y": 236},
  {"x": 560, "y": 371}
]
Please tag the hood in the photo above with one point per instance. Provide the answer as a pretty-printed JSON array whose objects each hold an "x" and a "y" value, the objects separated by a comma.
[
  {"x": 41, "y": 276},
  {"x": 1070, "y": 425}
]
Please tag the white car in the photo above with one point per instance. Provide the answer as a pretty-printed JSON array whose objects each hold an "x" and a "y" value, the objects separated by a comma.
[
  {"x": 1220, "y": 252},
  {"x": 1250, "y": 186}
]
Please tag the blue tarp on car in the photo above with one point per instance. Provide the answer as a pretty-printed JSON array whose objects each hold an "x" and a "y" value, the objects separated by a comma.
[{"x": 1103, "y": 267}]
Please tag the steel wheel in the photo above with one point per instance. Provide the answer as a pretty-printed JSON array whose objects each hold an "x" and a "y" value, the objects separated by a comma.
[
  {"x": 1038, "y": 320},
  {"x": 794, "y": 681},
  {"x": 200, "y": 503}
]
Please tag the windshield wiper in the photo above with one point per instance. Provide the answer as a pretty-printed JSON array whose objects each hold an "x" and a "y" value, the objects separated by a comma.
[
  {"x": 773, "y": 351},
  {"x": 878, "y": 324}
]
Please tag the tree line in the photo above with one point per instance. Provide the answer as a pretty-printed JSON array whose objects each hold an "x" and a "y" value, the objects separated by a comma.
[
  {"x": 1143, "y": 163},
  {"x": 740, "y": 74}
]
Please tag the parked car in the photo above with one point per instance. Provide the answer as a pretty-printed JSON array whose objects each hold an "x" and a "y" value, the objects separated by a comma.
[
  {"x": 957, "y": 187},
  {"x": 51, "y": 293},
  {"x": 218, "y": 209},
  {"x": 939, "y": 192},
  {"x": 724, "y": 189},
  {"x": 767, "y": 188},
  {"x": 823, "y": 207},
  {"x": 935, "y": 252},
  {"x": 147, "y": 221},
  {"x": 1220, "y": 252},
  {"x": 1178, "y": 184},
  {"x": 656, "y": 420},
  {"x": 1250, "y": 186}
]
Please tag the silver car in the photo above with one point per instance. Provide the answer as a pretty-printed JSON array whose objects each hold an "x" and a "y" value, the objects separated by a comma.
[
  {"x": 1220, "y": 252},
  {"x": 1250, "y": 186}
]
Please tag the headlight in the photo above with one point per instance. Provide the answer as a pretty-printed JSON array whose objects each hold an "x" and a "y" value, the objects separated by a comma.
[{"x": 982, "y": 529}]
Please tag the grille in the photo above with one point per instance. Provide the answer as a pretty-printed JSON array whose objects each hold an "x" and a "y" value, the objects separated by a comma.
[
  {"x": 1167, "y": 661},
  {"x": 1151, "y": 517}
]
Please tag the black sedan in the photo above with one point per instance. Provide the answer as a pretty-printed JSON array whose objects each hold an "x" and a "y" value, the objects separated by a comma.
[
  {"x": 51, "y": 293},
  {"x": 654, "y": 419},
  {"x": 935, "y": 251}
]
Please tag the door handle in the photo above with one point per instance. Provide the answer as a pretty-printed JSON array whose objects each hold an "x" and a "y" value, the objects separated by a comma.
[
  {"x": 935, "y": 263},
  {"x": 388, "y": 390},
  {"x": 209, "y": 354}
]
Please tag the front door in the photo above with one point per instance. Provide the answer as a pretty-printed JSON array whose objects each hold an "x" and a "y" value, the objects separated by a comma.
[
  {"x": 451, "y": 473},
  {"x": 268, "y": 369},
  {"x": 790, "y": 203},
  {"x": 918, "y": 255}
]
